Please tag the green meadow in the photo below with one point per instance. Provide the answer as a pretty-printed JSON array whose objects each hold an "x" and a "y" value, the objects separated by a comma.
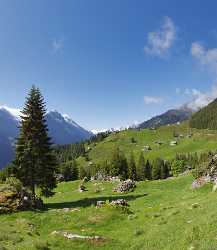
[
  {"x": 201, "y": 141},
  {"x": 163, "y": 215}
]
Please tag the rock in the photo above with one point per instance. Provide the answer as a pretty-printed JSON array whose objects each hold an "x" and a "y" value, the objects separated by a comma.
[
  {"x": 101, "y": 177},
  {"x": 9, "y": 200},
  {"x": 125, "y": 186},
  {"x": 199, "y": 182},
  {"x": 147, "y": 148},
  {"x": 72, "y": 236},
  {"x": 82, "y": 187},
  {"x": 100, "y": 204},
  {"x": 67, "y": 209},
  {"x": 209, "y": 174},
  {"x": 119, "y": 202},
  {"x": 195, "y": 205},
  {"x": 159, "y": 143},
  {"x": 12, "y": 200},
  {"x": 59, "y": 177},
  {"x": 173, "y": 143}
]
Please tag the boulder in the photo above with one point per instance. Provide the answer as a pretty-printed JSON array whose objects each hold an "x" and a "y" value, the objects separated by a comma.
[
  {"x": 125, "y": 186},
  {"x": 11, "y": 200},
  {"x": 59, "y": 177},
  {"x": 209, "y": 174},
  {"x": 173, "y": 143},
  {"x": 100, "y": 204},
  {"x": 119, "y": 202},
  {"x": 72, "y": 236}
]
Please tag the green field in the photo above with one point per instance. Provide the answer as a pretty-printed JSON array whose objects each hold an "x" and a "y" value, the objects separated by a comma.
[
  {"x": 166, "y": 214},
  {"x": 201, "y": 141}
]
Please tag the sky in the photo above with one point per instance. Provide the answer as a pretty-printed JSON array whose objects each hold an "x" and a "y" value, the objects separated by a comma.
[{"x": 109, "y": 63}]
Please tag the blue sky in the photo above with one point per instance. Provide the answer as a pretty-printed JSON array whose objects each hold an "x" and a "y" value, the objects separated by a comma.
[{"x": 109, "y": 63}]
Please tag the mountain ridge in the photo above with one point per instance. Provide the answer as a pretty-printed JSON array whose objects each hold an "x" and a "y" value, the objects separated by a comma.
[
  {"x": 169, "y": 117},
  {"x": 62, "y": 130}
]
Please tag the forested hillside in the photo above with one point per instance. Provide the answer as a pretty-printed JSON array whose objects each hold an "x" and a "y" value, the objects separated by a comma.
[{"x": 206, "y": 118}]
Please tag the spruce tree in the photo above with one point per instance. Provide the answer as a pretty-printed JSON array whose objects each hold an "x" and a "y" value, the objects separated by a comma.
[
  {"x": 69, "y": 170},
  {"x": 119, "y": 166},
  {"x": 35, "y": 162},
  {"x": 156, "y": 169},
  {"x": 141, "y": 168},
  {"x": 132, "y": 168},
  {"x": 148, "y": 170},
  {"x": 164, "y": 170}
]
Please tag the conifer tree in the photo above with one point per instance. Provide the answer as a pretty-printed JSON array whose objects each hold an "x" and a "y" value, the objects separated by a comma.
[
  {"x": 156, "y": 169},
  {"x": 35, "y": 162},
  {"x": 119, "y": 166},
  {"x": 132, "y": 168},
  {"x": 141, "y": 167},
  {"x": 164, "y": 170},
  {"x": 69, "y": 170},
  {"x": 148, "y": 170}
]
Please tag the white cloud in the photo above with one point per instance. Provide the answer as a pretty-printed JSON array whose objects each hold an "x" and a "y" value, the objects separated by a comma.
[
  {"x": 206, "y": 57},
  {"x": 200, "y": 99},
  {"x": 159, "y": 42},
  {"x": 152, "y": 100},
  {"x": 57, "y": 44}
]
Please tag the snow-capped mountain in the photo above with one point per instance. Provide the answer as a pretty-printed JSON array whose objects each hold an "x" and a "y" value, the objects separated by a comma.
[{"x": 62, "y": 130}]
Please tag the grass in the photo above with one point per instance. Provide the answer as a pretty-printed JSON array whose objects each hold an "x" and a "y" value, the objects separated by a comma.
[
  {"x": 201, "y": 141},
  {"x": 166, "y": 215}
]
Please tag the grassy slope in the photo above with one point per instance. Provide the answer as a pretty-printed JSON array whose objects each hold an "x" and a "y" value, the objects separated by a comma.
[
  {"x": 163, "y": 219},
  {"x": 202, "y": 140}
]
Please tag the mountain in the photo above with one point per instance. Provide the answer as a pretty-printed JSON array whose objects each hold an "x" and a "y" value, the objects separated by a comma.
[
  {"x": 205, "y": 118},
  {"x": 62, "y": 130},
  {"x": 172, "y": 116}
]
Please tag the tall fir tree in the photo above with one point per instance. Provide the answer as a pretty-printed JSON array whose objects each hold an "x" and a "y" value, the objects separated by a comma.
[
  {"x": 119, "y": 166},
  {"x": 164, "y": 170},
  {"x": 132, "y": 168},
  {"x": 141, "y": 168},
  {"x": 35, "y": 161},
  {"x": 148, "y": 170},
  {"x": 156, "y": 169},
  {"x": 69, "y": 170}
]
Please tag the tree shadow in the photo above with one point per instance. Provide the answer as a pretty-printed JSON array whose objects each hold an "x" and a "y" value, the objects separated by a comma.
[{"x": 90, "y": 201}]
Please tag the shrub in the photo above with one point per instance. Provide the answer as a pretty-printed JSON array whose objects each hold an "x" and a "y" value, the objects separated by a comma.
[
  {"x": 177, "y": 167},
  {"x": 15, "y": 183}
]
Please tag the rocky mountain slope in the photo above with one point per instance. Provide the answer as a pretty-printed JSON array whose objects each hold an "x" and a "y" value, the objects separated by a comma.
[
  {"x": 62, "y": 130},
  {"x": 172, "y": 116}
]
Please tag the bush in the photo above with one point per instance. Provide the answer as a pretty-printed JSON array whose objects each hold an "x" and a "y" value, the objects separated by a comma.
[
  {"x": 178, "y": 167},
  {"x": 6, "y": 172},
  {"x": 15, "y": 183},
  {"x": 69, "y": 170}
]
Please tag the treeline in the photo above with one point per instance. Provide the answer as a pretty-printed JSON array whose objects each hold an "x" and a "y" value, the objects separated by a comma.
[
  {"x": 125, "y": 168},
  {"x": 99, "y": 137},
  {"x": 143, "y": 169},
  {"x": 69, "y": 152},
  {"x": 119, "y": 165},
  {"x": 206, "y": 118}
]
